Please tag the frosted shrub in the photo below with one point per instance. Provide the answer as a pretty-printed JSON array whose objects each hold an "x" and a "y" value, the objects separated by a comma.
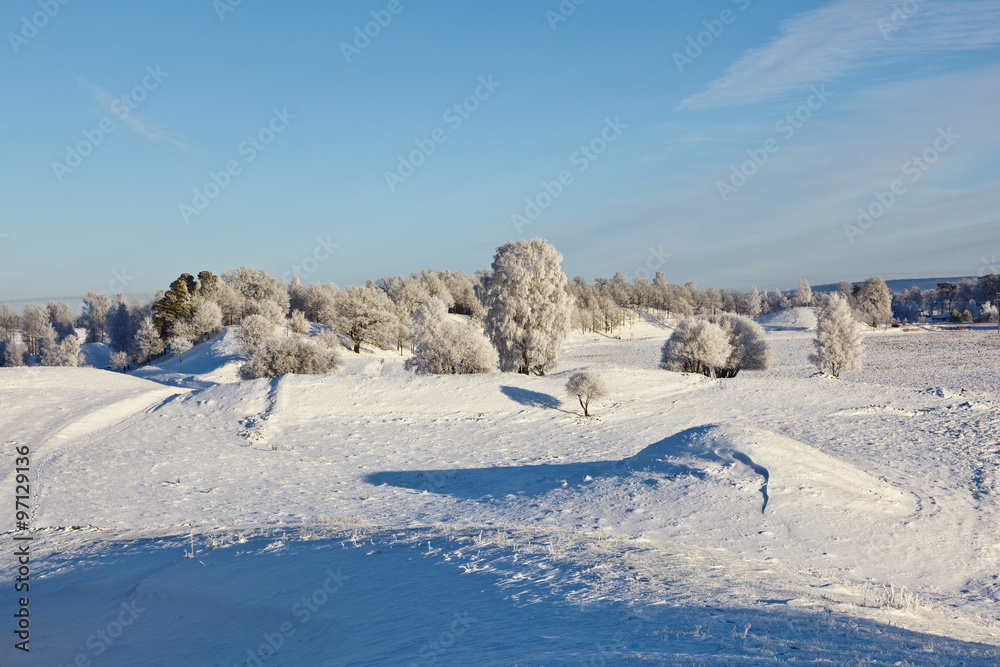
[
  {"x": 253, "y": 329},
  {"x": 839, "y": 343},
  {"x": 750, "y": 350},
  {"x": 696, "y": 346},
  {"x": 441, "y": 345},
  {"x": 298, "y": 322},
  {"x": 587, "y": 387},
  {"x": 275, "y": 357}
]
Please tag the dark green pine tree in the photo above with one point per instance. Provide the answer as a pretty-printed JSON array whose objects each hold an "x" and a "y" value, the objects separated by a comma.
[{"x": 175, "y": 305}]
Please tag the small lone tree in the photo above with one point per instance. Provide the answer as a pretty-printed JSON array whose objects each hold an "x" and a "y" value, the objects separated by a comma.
[
  {"x": 120, "y": 360},
  {"x": 179, "y": 345},
  {"x": 587, "y": 387},
  {"x": 838, "y": 342},
  {"x": 696, "y": 346}
]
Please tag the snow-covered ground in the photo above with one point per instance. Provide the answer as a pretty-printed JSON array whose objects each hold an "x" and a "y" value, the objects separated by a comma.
[{"x": 379, "y": 517}]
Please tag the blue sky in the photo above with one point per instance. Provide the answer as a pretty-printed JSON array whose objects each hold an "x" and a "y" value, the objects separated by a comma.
[{"x": 730, "y": 143}]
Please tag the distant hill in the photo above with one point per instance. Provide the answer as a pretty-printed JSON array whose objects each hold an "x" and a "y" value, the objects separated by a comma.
[{"x": 903, "y": 283}]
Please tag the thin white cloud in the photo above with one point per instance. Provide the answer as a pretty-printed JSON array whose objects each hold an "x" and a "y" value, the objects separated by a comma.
[
  {"x": 826, "y": 43},
  {"x": 120, "y": 111}
]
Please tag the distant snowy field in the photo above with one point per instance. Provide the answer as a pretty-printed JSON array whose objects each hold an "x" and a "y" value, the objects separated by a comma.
[{"x": 378, "y": 517}]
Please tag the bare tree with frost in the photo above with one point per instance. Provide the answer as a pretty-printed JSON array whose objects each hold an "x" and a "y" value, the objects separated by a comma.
[
  {"x": 839, "y": 343},
  {"x": 527, "y": 306},
  {"x": 696, "y": 346},
  {"x": 587, "y": 387},
  {"x": 365, "y": 315}
]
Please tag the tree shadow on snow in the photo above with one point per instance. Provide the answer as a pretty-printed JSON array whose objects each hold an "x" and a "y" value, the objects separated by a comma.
[
  {"x": 531, "y": 399},
  {"x": 661, "y": 460}
]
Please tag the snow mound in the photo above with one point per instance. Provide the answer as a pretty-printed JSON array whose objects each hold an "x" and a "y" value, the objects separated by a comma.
[
  {"x": 875, "y": 410},
  {"x": 792, "y": 473}
]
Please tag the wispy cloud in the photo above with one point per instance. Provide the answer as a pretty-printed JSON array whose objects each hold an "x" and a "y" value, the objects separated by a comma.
[
  {"x": 119, "y": 109},
  {"x": 826, "y": 43}
]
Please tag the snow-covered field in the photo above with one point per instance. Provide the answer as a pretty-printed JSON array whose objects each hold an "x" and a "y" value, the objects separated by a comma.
[{"x": 379, "y": 517}]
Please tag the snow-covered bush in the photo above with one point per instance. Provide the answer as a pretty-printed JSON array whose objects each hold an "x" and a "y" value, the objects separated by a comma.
[
  {"x": 696, "y": 346},
  {"x": 527, "y": 306},
  {"x": 441, "y": 345},
  {"x": 587, "y": 387},
  {"x": 839, "y": 343},
  {"x": 750, "y": 350},
  {"x": 298, "y": 322},
  {"x": 252, "y": 330},
  {"x": 275, "y": 357},
  {"x": 363, "y": 314},
  {"x": 273, "y": 312}
]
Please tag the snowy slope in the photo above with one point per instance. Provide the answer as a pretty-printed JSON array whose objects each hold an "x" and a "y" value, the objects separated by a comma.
[{"x": 692, "y": 521}]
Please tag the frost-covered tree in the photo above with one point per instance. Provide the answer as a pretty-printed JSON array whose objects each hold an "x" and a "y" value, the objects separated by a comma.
[
  {"x": 839, "y": 343},
  {"x": 95, "y": 315},
  {"x": 803, "y": 294},
  {"x": 120, "y": 361},
  {"x": 321, "y": 303},
  {"x": 696, "y": 346},
  {"x": 148, "y": 343},
  {"x": 275, "y": 357},
  {"x": 12, "y": 352},
  {"x": 298, "y": 295},
  {"x": 62, "y": 318},
  {"x": 527, "y": 306},
  {"x": 754, "y": 303},
  {"x": 875, "y": 301},
  {"x": 257, "y": 285},
  {"x": 273, "y": 312},
  {"x": 587, "y": 387},
  {"x": 252, "y": 330},
  {"x": 34, "y": 319},
  {"x": 55, "y": 352},
  {"x": 749, "y": 348},
  {"x": 363, "y": 314},
  {"x": 297, "y": 322},
  {"x": 206, "y": 318},
  {"x": 179, "y": 345},
  {"x": 10, "y": 322},
  {"x": 442, "y": 345}
]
